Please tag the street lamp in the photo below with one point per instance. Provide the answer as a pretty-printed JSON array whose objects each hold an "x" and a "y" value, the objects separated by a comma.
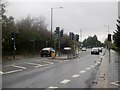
[{"x": 52, "y": 21}]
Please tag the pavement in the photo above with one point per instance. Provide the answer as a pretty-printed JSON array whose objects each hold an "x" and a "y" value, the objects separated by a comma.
[{"x": 107, "y": 74}]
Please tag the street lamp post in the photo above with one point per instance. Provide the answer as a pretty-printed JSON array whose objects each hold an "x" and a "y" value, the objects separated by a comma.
[
  {"x": 108, "y": 43},
  {"x": 52, "y": 22}
]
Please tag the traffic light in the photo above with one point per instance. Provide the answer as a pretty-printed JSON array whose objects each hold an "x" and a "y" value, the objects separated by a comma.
[
  {"x": 61, "y": 33},
  {"x": 109, "y": 37},
  {"x": 71, "y": 35},
  {"x": 57, "y": 31},
  {"x": 77, "y": 37}
]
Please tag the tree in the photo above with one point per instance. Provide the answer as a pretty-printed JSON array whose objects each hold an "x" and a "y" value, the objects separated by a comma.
[
  {"x": 32, "y": 34},
  {"x": 8, "y": 26},
  {"x": 116, "y": 36},
  {"x": 92, "y": 42}
]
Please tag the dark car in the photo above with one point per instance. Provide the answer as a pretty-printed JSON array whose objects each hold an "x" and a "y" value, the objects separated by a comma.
[
  {"x": 95, "y": 51},
  {"x": 47, "y": 52}
]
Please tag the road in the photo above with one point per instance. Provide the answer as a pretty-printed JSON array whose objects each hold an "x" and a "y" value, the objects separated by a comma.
[{"x": 47, "y": 73}]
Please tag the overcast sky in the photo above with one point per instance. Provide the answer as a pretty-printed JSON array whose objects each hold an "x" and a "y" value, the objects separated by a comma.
[{"x": 90, "y": 17}]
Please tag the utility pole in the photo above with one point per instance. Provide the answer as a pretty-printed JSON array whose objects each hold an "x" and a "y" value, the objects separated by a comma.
[
  {"x": 81, "y": 37},
  {"x": 51, "y": 24}
]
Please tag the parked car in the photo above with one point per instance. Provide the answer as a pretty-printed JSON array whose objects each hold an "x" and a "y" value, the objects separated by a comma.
[
  {"x": 100, "y": 49},
  {"x": 47, "y": 52},
  {"x": 83, "y": 49},
  {"x": 95, "y": 51}
]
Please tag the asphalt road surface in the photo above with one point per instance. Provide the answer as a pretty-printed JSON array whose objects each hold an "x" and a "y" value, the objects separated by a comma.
[{"x": 47, "y": 73}]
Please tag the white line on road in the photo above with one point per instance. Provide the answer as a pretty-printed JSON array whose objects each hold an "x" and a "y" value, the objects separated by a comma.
[
  {"x": 65, "y": 81},
  {"x": 99, "y": 62},
  {"x": 115, "y": 83},
  {"x": 1, "y": 72},
  {"x": 88, "y": 68},
  {"x": 34, "y": 64},
  {"x": 52, "y": 87},
  {"x": 92, "y": 66},
  {"x": 66, "y": 60},
  {"x": 19, "y": 66},
  {"x": 96, "y": 64},
  {"x": 13, "y": 71},
  {"x": 83, "y": 71},
  {"x": 39, "y": 66},
  {"x": 75, "y": 75}
]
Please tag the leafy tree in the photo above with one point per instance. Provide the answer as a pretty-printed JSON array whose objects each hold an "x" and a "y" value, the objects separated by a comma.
[
  {"x": 91, "y": 42},
  {"x": 116, "y": 36},
  {"x": 8, "y": 26},
  {"x": 32, "y": 34}
]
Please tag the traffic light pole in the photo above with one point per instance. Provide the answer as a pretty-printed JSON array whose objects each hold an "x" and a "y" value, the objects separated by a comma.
[{"x": 14, "y": 48}]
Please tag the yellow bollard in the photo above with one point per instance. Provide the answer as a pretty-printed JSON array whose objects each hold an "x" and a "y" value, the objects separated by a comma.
[{"x": 53, "y": 55}]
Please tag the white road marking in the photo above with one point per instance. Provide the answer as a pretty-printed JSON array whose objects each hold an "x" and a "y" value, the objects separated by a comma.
[
  {"x": 115, "y": 83},
  {"x": 99, "y": 62},
  {"x": 34, "y": 64},
  {"x": 96, "y": 64},
  {"x": 65, "y": 81},
  {"x": 88, "y": 68},
  {"x": 48, "y": 62},
  {"x": 92, "y": 66},
  {"x": 83, "y": 71},
  {"x": 1, "y": 72},
  {"x": 66, "y": 60},
  {"x": 39, "y": 66},
  {"x": 19, "y": 66},
  {"x": 75, "y": 75},
  {"x": 52, "y": 87},
  {"x": 13, "y": 71}
]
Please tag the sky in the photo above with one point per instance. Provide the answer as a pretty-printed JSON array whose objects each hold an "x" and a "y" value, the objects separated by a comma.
[{"x": 92, "y": 18}]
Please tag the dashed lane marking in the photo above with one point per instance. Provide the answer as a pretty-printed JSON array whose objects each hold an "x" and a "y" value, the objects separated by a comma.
[
  {"x": 75, "y": 75},
  {"x": 88, "y": 68},
  {"x": 66, "y": 60},
  {"x": 18, "y": 66},
  {"x": 65, "y": 81},
  {"x": 99, "y": 62},
  {"x": 52, "y": 87},
  {"x": 83, "y": 71},
  {"x": 96, "y": 64},
  {"x": 92, "y": 66},
  {"x": 13, "y": 71}
]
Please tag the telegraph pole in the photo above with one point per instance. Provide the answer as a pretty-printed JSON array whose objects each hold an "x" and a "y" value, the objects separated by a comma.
[{"x": 81, "y": 37}]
